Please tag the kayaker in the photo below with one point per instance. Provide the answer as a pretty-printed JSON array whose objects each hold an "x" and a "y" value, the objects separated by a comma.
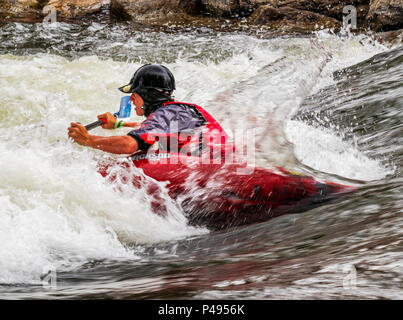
[{"x": 177, "y": 126}]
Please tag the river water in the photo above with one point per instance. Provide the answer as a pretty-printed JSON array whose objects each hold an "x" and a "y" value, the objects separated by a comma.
[{"x": 326, "y": 105}]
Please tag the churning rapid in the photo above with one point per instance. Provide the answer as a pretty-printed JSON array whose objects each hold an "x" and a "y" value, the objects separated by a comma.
[{"x": 325, "y": 105}]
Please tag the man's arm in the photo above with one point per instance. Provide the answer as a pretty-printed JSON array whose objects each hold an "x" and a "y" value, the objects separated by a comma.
[
  {"x": 115, "y": 144},
  {"x": 132, "y": 124}
]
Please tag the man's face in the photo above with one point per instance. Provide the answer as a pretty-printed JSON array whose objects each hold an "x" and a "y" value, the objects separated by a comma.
[{"x": 138, "y": 103}]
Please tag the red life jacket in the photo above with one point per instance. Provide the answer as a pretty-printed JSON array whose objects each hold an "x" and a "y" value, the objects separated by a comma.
[{"x": 213, "y": 137}]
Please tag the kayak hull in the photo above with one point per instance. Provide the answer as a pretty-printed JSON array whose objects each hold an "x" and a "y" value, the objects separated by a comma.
[{"x": 219, "y": 195}]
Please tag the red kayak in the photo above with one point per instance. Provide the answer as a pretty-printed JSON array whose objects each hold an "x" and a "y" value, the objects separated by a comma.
[{"x": 219, "y": 195}]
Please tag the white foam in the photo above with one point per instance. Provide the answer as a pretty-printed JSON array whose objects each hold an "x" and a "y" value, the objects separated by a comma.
[
  {"x": 56, "y": 209},
  {"x": 322, "y": 149}
]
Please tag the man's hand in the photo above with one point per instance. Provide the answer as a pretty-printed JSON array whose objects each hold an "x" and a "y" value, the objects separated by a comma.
[
  {"x": 79, "y": 134},
  {"x": 118, "y": 144},
  {"x": 110, "y": 120}
]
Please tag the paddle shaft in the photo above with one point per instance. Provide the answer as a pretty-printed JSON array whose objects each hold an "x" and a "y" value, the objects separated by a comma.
[{"x": 95, "y": 124}]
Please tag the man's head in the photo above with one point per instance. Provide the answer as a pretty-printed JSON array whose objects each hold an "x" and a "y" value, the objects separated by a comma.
[{"x": 154, "y": 83}]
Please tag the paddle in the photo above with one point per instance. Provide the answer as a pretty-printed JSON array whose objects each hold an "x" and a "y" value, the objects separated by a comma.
[{"x": 124, "y": 112}]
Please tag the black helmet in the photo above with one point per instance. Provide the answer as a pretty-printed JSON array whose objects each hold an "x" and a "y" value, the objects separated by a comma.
[{"x": 154, "y": 83}]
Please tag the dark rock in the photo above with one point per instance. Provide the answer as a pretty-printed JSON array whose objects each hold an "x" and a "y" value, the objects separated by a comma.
[
  {"x": 331, "y": 8},
  {"x": 285, "y": 15},
  {"x": 385, "y": 15},
  {"x": 77, "y": 8},
  {"x": 140, "y": 10},
  {"x": 390, "y": 38},
  {"x": 221, "y": 7},
  {"x": 291, "y": 20},
  {"x": 38, "y": 10},
  {"x": 20, "y": 10}
]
